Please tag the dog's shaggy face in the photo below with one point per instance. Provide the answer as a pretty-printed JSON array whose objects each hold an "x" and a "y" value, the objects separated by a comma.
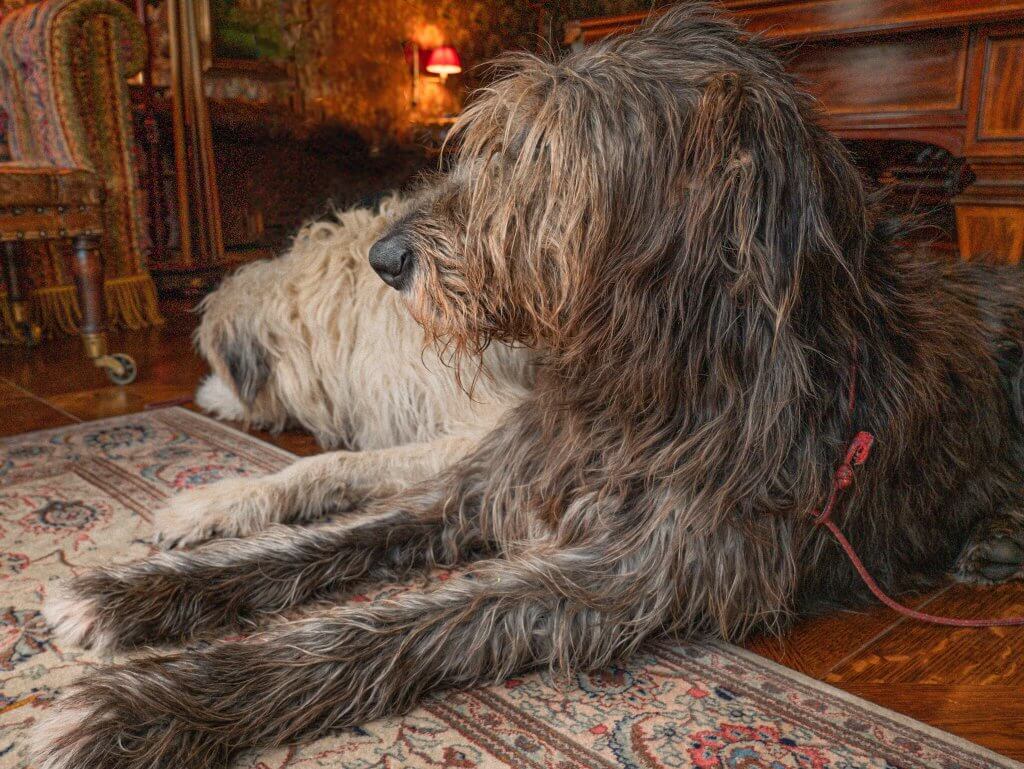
[
  {"x": 589, "y": 197},
  {"x": 314, "y": 339}
]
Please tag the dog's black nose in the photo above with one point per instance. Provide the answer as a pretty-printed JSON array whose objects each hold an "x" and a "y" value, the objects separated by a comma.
[{"x": 392, "y": 259}]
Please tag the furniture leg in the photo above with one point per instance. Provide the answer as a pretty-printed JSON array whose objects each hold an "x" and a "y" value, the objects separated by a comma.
[
  {"x": 88, "y": 270},
  {"x": 87, "y": 266},
  {"x": 30, "y": 332}
]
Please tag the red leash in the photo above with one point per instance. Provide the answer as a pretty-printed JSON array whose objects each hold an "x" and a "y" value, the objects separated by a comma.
[{"x": 856, "y": 455}]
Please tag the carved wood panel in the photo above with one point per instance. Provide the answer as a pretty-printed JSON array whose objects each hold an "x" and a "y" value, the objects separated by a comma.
[
  {"x": 923, "y": 73},
  {"x": 990, "y": 232},
  {"x": 1000, "y": 111}
]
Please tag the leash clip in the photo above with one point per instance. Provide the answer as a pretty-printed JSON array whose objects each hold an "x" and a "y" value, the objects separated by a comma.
[
  {"x": 860, "y": 448},
  {"x": 856, "y": 455}
]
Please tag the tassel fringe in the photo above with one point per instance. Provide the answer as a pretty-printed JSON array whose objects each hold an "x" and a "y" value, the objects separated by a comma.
[
  {"x": 8, "y": 331},
  {"x": 56, "y": 309},
  {"x": 131, "y": 304}
]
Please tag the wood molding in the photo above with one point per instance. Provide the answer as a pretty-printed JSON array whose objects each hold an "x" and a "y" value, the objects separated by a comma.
[
  {"x": 198, "y": 203},
  {"x": 996, "y": 92},
  {"x": 825, "y": 19}
]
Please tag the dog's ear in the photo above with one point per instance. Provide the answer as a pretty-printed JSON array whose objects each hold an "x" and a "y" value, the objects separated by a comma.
[
  {"x": 768, "y": 189},
  {"x": 247, "y": 363}
]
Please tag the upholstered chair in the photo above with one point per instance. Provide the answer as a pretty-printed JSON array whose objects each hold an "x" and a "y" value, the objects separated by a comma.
[{"x": 71, "y": 176}]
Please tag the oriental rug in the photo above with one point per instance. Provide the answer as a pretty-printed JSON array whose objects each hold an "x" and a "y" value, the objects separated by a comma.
[{"x": 84, "y": 495}]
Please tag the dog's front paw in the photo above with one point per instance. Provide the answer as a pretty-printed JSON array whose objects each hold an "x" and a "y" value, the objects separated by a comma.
[
  {"x": 76, "y": 734},
  {"x": 55, "y": 737},
  {"x": 151, "y": 712},
  {"x": 990, "y": 560},
  {"x": 82, "y": 737},
  {"x": 236, "y": 507},
  {"x": 74, "y": 617},
  {"x": 121, "y": 607},
  {"x": 994, "y": 552}
]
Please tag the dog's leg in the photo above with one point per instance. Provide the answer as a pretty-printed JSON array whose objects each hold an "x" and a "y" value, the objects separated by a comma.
[
  {"x": 995, "y": 550},
  {"x": 198, "y": 708},
  {"x": 230, "y": 583},
  {"x": 303, "y": 491}
]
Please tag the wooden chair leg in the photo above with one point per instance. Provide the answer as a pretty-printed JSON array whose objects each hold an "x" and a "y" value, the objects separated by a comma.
[
  {"x": 30, "y": 332},
  {"x": 87, "y": 266}
]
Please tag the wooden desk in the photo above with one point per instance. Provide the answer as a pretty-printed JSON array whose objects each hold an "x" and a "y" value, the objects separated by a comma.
[{"x": 945, "y": 72}]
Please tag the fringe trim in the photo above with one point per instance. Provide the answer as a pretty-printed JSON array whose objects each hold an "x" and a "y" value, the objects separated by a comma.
[
  {"x": 9, "y": 333},
  {"x": 131, "y": 304},
  {"x": 56, "y": 309}
]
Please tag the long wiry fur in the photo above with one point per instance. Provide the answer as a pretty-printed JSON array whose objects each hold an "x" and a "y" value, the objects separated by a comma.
[{"x": 695, "y": 263}]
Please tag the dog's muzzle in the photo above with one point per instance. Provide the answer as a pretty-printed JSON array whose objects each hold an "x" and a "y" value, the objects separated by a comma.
[{"x": 392, "y": 258}]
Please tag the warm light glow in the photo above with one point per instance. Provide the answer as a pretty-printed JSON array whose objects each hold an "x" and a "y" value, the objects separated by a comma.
[{"x": 444, "y": 61}]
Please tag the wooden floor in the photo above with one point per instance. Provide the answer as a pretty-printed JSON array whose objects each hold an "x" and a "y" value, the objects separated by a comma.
[{"x": 969, "y": 682}]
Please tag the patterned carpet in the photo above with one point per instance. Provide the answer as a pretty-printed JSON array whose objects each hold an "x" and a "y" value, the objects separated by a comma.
[{"x": 82, "y": 495}]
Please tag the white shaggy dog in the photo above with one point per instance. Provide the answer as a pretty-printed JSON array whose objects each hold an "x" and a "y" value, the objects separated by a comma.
[{"x": 315, "y": 339}]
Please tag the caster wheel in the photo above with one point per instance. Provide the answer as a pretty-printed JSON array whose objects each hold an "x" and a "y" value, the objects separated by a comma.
[{"x": 128, "y": 370}]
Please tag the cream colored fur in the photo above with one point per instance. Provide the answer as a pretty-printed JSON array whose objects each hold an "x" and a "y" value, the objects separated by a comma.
[
  {"x": 51, "y": 728},
  {"x": 72, "y": 618},
  {"x": 346, "y": 362}
]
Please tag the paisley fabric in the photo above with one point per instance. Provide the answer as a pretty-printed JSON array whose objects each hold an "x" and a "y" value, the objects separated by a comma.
[
  {"x": 64, "y": 66},
  {"x": 84, "y": 495}
]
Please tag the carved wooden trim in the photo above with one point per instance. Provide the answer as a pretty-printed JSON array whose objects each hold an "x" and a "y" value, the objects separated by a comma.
[
  {"x": 831, "y": 19},
  {"x": 196, "y": 173},
  {"x": 49, "y": 222},
  {"x": 996, "y": 92}
]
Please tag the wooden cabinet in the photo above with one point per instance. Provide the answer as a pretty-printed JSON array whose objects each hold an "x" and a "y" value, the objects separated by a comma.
[{"x": 946, "y": 72}]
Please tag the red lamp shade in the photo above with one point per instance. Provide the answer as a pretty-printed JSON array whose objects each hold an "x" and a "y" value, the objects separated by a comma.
[{"x": 444, "y": 61}]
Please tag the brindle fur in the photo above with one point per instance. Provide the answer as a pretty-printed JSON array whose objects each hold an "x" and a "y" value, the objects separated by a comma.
[{"x": 695, "y": 262}]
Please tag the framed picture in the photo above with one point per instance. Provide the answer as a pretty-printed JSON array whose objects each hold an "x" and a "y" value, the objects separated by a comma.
[
  {"x": 243, "y": 30},
  {"x": 232, "y": 35}
]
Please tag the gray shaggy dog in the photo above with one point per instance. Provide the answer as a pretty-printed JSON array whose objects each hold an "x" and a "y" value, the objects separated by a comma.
[{"x": 694, "y": 260}]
